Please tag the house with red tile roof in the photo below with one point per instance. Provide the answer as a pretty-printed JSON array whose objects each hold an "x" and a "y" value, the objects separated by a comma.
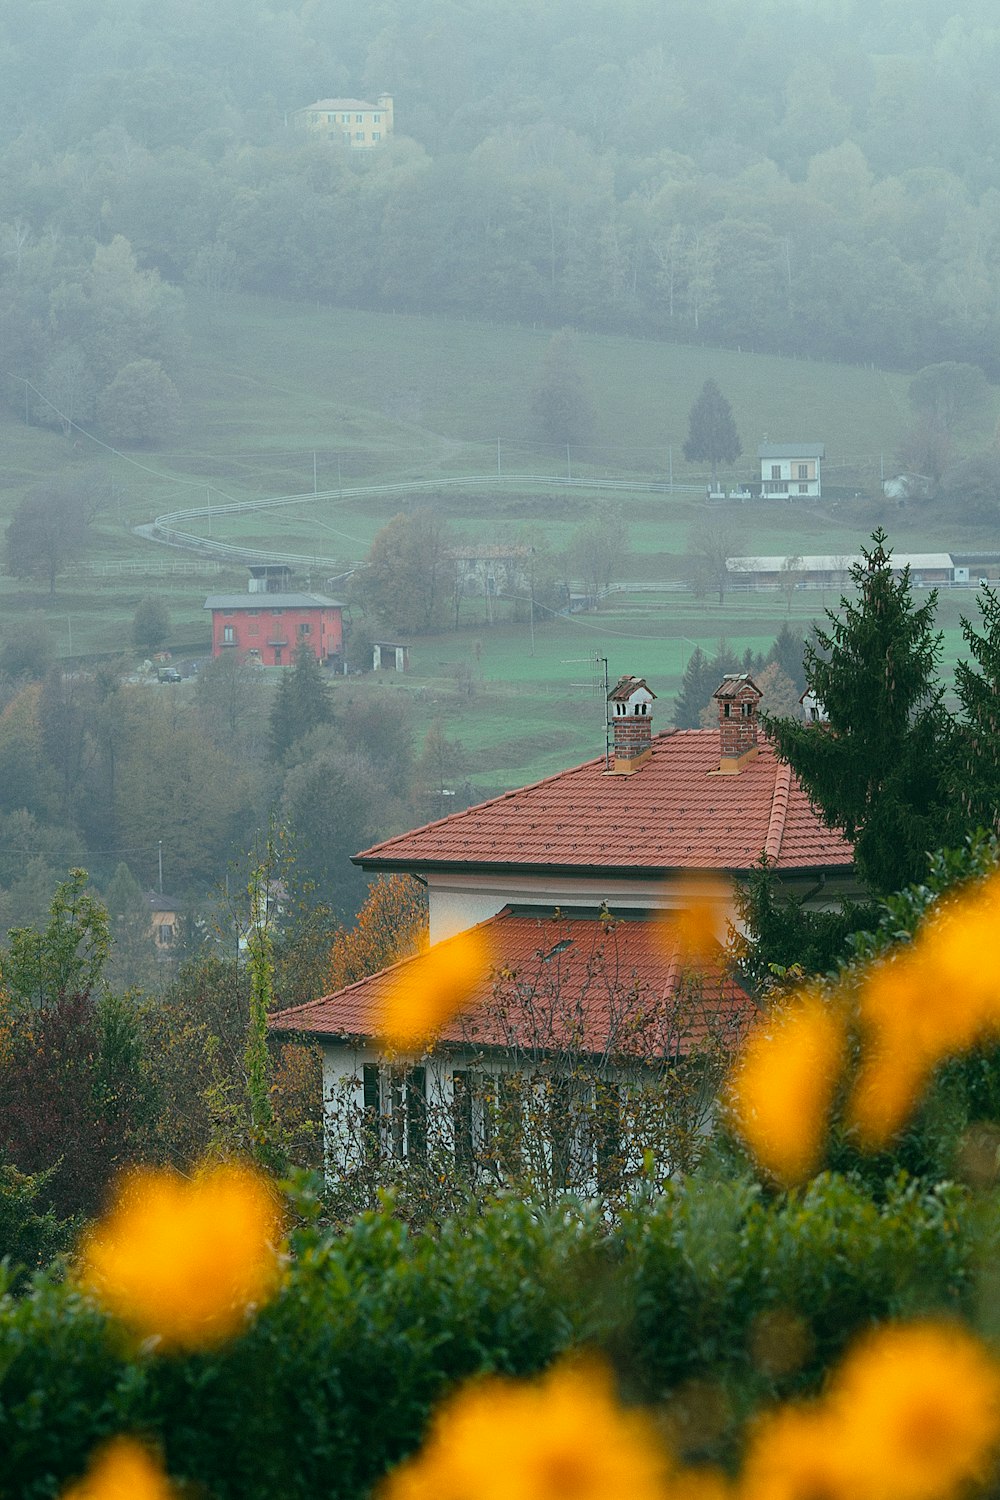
[
  {"x": 625, "y": 828},
  {"x": 581, "y": 1028},
  {"x": 605, "y": 848}
]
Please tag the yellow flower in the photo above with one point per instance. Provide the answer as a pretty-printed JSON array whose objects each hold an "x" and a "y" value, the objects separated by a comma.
[
  {"x": 797, "y": 1453},
  {"x": 185, "y": 1260},
  {"x": 564, "y": 1437},
  {"x": 698, "y": 924},
  {"x": 122, "y": 1470},
  {"x": 782, "y": 1086},
  {"x": 425, "y": 993},
  {"x": 703, "y": 1483},
  {"x": 919, "y": 1406},
  {"x": 935, "y": 998}
]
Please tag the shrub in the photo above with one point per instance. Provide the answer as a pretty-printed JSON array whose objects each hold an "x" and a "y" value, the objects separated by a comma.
[{"x": 375, "y": 1325}]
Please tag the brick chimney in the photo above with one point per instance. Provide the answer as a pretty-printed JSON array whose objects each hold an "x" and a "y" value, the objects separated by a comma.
[
  {"x": 630, "y": 711},
  {"x": 738, "y": 697}
]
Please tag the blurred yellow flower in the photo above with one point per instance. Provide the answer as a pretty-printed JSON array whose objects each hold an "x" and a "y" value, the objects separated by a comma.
[
  {"x": 564, "y": 1437},
  {"x": 185, "y": 1260},
  {"x": 934, "y": 998},
  {"x": 919, "y": 1407},
  {"x": 122, "y": 1470},
  {"x": 703, "y": 1483},
  {"x": 426, "y": 992},
  {"x": 697, "y": 925},
  {"x": 797, "y": 1453},
  {"x": 781, "y": 1088}
]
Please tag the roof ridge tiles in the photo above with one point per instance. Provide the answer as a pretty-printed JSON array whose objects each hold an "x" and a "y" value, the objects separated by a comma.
[
  {"x": 516, "y": 791},
  {"x": 779, "y": 811},
  {"x": 671, "y": 814}
]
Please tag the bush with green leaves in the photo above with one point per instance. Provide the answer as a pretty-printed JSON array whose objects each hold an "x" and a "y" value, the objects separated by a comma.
[{"x": 337, "y": 1378}]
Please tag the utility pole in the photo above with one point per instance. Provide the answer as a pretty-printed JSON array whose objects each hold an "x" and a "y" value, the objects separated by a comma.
[{"x": 159, "y": 855}]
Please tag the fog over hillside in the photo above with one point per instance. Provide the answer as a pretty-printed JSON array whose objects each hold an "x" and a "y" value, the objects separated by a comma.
[
  {"x": 211, "y": 219},
  {"x": 815, "y": 177}
]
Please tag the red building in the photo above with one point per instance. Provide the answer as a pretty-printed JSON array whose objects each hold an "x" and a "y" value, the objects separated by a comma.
[{"x": 267, "y": 627}]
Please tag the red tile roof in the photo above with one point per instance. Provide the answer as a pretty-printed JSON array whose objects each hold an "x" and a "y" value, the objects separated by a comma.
[
  {"x": 672, "y": 814},
  {"x": 595, "y": 986}
]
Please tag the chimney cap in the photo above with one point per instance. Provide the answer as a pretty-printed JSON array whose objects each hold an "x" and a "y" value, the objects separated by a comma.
[
  {"x": 734, "y": 684},
  {"x": 626, "y": 687}
]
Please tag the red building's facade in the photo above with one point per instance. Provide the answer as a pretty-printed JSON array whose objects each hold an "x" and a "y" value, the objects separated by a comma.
[{"x": 268, "y": 627}]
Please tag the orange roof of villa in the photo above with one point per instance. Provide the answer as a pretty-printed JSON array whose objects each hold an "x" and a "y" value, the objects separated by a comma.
[
  {"x": 675, "y": 813},
  {"x": 575, "y": 981}
]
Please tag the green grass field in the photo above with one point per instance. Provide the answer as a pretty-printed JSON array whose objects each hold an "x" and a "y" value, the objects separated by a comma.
[{"x": 280, "y": 398}]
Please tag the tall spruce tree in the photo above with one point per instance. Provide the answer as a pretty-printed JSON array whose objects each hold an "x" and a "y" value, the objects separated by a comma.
[
  {"x": 787, "y": 653},
  {"x": 712, "y": 434},
  {"x": 561, "y": 403},
  {"x": 697, "y": 686},
  {"x": 879, "y": 768},
  {"x": 976, "y": 736},
  {"x": 302, "y": 702}
]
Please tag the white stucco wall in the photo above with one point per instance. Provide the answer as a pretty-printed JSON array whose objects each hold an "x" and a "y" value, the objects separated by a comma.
[{"x": 457, "y": 902}]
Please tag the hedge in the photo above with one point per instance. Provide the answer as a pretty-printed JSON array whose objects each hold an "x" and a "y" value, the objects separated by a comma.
[{"x": 335, "y": 1381}]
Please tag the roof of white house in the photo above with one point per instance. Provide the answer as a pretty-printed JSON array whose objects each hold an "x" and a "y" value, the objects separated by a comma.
[
  {"x": 791, "y": 450},
  {"x": 340, "y": 104},
  {"x": 916, "y": 562}
]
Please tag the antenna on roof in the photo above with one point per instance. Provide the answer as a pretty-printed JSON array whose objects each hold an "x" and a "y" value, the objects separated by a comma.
[{"x": 598, "y": 685}]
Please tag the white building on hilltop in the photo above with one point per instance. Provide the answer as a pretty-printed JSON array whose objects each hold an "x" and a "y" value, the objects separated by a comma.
[{"x": 352, "y": 122}]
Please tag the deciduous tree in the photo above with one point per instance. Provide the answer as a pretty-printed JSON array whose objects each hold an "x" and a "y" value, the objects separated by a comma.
[
  {"x": 710, "y": 546},
  {"x": 150, "y": 624},
  {"x": 948, "y": 393},
  {"x": 407, "y": 578},
  {"x": 140, "y": 405},
  {"x": 47, "y": 529},
  {"x": 598, "y": 549},
  {"x": 229, "y": 697},
  {"x": 28, "y": 650},
  {"x": 391, "y": 925}
]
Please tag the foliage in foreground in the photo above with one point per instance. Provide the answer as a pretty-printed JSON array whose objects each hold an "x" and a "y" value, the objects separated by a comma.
[{"x": 337, "y": 1379}]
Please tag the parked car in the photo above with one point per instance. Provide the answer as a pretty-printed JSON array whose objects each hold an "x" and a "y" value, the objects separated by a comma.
[{"x": 168, "y": 674}]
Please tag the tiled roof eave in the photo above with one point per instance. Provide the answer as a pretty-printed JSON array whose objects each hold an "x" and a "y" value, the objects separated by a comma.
[
  {"x": 415, "y": 865},
  {"x": 449, "y": 1046}
]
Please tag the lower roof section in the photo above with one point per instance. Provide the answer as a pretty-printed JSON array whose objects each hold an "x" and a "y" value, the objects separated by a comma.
[{"x": 598, "y": 985}]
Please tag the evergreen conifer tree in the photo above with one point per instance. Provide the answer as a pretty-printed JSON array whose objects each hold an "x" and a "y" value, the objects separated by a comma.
[
  {"x": 302, "y": 702},
  {"x": 787, "y": 653},
  {"x": 976, "y": 768},
  {"x": 712, "y": 431},
  {"x": 697, "y": 686},
  {"x": 561, "y": 403},
  {"x": 878, "y": 768}
]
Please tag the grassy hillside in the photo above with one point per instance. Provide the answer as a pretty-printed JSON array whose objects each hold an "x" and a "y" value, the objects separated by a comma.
[{"x": 281, "y": 396}]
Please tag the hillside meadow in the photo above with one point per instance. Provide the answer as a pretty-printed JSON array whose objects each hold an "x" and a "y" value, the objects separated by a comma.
[{"x": 280, "y": 398}]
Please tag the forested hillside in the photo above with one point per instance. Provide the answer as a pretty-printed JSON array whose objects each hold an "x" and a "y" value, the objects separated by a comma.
[{"x": 816, "y": 177}]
